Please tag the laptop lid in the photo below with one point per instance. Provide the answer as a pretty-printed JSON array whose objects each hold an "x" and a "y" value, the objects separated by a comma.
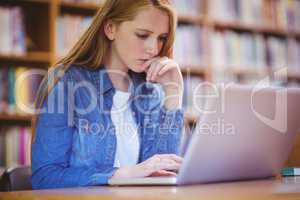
[{"x": 244, "y": 133}]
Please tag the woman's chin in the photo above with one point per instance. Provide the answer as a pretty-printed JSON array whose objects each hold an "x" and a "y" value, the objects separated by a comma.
[{"x": 137, "y": 69}]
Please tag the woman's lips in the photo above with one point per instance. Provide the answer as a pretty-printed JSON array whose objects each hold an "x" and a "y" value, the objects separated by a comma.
[{"x": 143, "y": 60}]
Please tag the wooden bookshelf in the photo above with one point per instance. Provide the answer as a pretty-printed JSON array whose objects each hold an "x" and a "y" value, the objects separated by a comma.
[
  {"x": 254, "y": 29},
  {"x": 23, "y": 2},
  {"x": 31, "y": 57},
  {"x": 51, "y": 9},
  {"x": 41, "y": 18},
  {"x": 37, "y": 1},
  {"x": 294, "y": 76},
  {"x": 192, "y": 20},
  {"x": 87, "y": 9},
  {"x": 58, "y": 6},
  {"x": 40, "y": 24},
  {"x": 194, "y": 70},
  {"x": 247, "y": 71},
  {"x": 14, "y": 119},
  {"x": 81, "y": 6}
]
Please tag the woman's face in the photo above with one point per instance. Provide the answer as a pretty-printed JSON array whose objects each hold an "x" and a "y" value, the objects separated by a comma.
[{"x": 135, "y": 42}]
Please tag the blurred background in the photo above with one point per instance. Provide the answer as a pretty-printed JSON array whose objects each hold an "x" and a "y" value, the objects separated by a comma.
[{"x": 217, "y": 41}]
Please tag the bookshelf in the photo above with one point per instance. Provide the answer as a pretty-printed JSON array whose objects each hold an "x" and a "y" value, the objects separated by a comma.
[
  {"x": 31, "y": 57},
  {"x": 24, "y": 120},
  {"x": 40, "y": 22}
]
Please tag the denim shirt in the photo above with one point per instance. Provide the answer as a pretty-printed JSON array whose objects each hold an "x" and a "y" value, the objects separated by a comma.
[{"x": 75, "y": 141}]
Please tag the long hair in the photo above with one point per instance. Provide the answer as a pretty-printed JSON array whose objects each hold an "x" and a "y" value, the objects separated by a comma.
[{"x": 93, "y": 45}]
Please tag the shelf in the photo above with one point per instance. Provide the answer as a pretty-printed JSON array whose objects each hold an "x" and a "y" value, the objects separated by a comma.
[
  {"x": 256, "y": 29},
  {"x": 25, "y": 2},
  {"x": 15, "y": 119},
  {"x": 247, "y": 71},
  {"x": 195, "y": 20},
  {"x": 87, "y": 6},
  {"x": 37, "y": 1},
  {"x": 31, "y": 57},
  {"x": 294, "y": 76},
  {"x": 194, "y": 70},
  {"x": 79, "y": 8},
  {"x": 92, "y": 8}
]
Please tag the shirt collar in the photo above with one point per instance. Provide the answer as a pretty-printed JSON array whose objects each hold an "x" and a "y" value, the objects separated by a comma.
[{"x": 106, "y": 84}]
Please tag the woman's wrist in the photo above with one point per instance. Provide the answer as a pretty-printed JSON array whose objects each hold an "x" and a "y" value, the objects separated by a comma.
[
  {"x": 124, "y": 172},
  {"x": 173, "y": 98}
]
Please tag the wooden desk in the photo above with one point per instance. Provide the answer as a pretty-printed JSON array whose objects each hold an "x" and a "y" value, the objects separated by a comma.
[{"x": 259, "y": 189}]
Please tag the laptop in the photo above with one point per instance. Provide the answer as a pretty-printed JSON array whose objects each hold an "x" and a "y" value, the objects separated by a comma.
[{"x": 243, "y": 133}]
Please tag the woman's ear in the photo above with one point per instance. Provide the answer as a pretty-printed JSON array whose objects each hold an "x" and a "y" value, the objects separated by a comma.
[{"x": 110, "y": 30}]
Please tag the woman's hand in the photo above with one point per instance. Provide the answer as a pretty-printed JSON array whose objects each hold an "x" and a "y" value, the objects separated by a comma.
[
  {"x": 157, "y": 165},
  {"x": 166, "y": 72}
]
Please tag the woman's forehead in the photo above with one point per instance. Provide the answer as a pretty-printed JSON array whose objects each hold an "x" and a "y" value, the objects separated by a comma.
[{"x": 152, "y": 19}]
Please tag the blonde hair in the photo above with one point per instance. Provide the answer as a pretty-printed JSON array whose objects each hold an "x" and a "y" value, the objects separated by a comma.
[{"x": 93, "y": 45}]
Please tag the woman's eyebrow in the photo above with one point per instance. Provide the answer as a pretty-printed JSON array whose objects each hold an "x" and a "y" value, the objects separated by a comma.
[{"x": 146, "y": 30}]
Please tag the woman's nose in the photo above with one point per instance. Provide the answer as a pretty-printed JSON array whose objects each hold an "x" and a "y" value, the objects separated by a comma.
[{"x": 152, "y": 47}]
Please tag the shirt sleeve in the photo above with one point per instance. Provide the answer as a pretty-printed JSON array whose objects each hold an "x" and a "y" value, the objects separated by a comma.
[
  {"x": 52, "y": 147},
  {"x": 163, "y": 127}
]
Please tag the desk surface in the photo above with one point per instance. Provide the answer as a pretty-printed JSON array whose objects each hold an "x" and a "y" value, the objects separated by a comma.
[{"x": 288, "y": 188}]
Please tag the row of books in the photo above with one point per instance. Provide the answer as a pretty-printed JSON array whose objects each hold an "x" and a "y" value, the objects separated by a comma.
[
  {"x": 232, "y": 49},
  {"x": 66, "y": 38},
  {"x": 190, "y": 46},
  {"x": 97, "y": 2},
  {"x": 12, "y": 34},
  {"x": 191, "y": 8},
  {"x": 18, "y": 89},
  {"x": 278, "y": 13},
  {"x": 14, "y": 146},
  {"x": 190, "y": 40}
]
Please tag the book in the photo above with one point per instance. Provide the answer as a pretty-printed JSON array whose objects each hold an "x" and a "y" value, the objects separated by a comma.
[
  {"x": 14, "y": 146},
  {"x": 19, "y": 87},
  {"x": 290, "y": 171},
  {"x": 12, "y": 35},
  {"x": 191, "y": 8},
  {"x": 66, "y": 39},
  {"x": 283, "y": 14},
  {"x": 193, "y": 104},
  {"x": 189, "y": 46}
]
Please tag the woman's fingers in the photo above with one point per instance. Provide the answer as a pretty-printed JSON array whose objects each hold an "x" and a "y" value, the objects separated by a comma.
[
  {"x": 159, "y": 65},
  {"x": 147, "y": 64},
  {"x": 165, "y": 68},
  {"x": 166, "y": 164},
  {"x": 174, "y": 157},
  {"x": 155, "y": 67},
  {"x": 158, "y": 162},
  {"x": 150, "y": 70},
  {"x": 163, "y": 173}
]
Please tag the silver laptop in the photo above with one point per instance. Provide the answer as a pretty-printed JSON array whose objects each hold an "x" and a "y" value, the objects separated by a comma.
[{"x": 243, "y": 133}]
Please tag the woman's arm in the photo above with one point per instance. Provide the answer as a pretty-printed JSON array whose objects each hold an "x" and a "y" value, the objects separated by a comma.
[
  {"x": 165, "y": 121},
  {"x": 52, "y": 147},
  {"x": 165, "y": 126},
  {"x": 166, "y": 117}
]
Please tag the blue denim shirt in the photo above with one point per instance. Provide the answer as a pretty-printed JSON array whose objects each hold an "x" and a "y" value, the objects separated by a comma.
[{"x": 75, "y": 142}]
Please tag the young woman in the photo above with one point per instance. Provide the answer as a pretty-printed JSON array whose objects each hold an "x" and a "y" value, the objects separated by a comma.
[{"x": 112, "y": 108}]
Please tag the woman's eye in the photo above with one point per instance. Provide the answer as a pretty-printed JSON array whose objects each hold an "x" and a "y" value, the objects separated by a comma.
[
  {"x": 142, "y": 36},
  {"x": 163, "y": 39}
]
